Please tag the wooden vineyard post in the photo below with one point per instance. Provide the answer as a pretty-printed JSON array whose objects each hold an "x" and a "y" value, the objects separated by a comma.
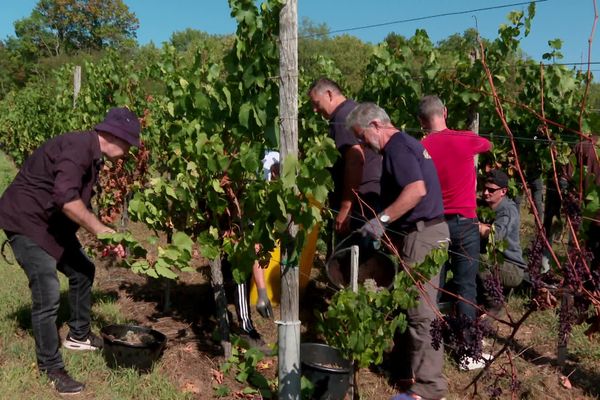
[
  {"x": 473, "y": 117},
  {"x": 221, "y": 302},
  {"x": 566, "y": 303},
  {"x": 289, "y": 326},
  {"x": 354, "y": 257},
  {"x": 76, "y": 84},
  {"x": 474, "y": 127}
]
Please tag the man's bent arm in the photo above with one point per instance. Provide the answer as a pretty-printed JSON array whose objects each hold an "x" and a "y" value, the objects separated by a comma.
[
  {"x": 410, "y": 196},
  {"x": 76, "y": 211},
  {"x": 354, "y": 161}
]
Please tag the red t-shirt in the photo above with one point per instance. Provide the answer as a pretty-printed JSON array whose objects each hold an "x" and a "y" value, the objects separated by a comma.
[{"x": 453, "y": 153}]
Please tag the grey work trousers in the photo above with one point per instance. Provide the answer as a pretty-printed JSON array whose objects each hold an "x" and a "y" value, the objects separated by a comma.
[{"x": 426, "y": 363}]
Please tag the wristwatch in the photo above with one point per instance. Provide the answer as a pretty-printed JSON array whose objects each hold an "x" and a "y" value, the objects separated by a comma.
[{"x": 384, "y": 218}]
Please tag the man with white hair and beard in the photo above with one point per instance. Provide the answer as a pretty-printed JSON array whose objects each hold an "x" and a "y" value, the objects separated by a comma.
[{"x": 411, "y": 200}]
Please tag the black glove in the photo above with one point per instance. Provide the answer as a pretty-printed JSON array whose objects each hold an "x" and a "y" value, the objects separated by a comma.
[{"x": 263, "y": 304}]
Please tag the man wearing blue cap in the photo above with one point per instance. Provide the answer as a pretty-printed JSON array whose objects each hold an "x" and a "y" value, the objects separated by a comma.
[{"x": 41, "y": 211}]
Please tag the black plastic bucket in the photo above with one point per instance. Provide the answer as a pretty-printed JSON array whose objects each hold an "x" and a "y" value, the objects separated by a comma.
[
  {"x": 373, "y": 263},
  {"x": 131, "y": 346},
  {"x": 328, "y": 371}
]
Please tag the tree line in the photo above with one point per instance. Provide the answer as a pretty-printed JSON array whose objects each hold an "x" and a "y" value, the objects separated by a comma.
[{"x": 59, "y": 32}]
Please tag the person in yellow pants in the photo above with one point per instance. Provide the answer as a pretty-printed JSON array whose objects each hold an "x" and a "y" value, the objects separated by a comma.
[
  {"x": 265, "y": 287},
  {"x": 263, "y": 303}
]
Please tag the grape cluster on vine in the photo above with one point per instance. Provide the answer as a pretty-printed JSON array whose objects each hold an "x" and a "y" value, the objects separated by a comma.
[
  {"x": 494, "y": 391},
  {"x": 463, "y": 335},
  {"x": 494, "y": 290},
  {"x": 572, "y": 208},
  {"x": 535, "y": 261}
]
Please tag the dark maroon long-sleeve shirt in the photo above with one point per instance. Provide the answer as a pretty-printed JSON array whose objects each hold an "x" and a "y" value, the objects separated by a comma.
[{"x": 63, "y": 169}]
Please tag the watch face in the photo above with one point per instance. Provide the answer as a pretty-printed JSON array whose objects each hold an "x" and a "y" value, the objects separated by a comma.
[{"x": 384, "y": 218}]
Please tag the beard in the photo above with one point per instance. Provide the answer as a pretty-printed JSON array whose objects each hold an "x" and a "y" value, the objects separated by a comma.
[{"x": 374, "y": 146}]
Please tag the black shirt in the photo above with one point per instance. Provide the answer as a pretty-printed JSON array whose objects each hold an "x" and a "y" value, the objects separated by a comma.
[
  {"x": 344, "y": 139},
  {"x": 63, "y": 169}
]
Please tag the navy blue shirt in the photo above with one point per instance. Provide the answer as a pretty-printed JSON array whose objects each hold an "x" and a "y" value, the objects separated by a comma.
[
  {"x": 63, "y": 169},
  {"x": 344, "y": 139},
  {"x": 405, "y": 161}
]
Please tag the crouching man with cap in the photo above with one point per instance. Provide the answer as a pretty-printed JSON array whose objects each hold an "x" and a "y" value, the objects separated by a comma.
[
  {"x": 42, "y": 209},
  {"x": 511, "y": 272}
]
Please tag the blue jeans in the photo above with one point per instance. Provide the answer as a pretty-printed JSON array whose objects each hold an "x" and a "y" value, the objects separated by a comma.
[
  {"x": 40, "y": 269},
  {"x": 463, "y": 262}
]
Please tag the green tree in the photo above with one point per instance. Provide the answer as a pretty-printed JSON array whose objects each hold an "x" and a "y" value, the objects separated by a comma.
[
  {"x": 67, "y": 26},
  {"x": 212, "y": 47},
  {"x": 62, "y": 31},
  {"x": 189, "y": 38},
  {"x": 349, "y": 53},
  {"x": 10, "y": 73},
  {"x": 395, "y": 40},
  {"x": 465, "y": 43}
]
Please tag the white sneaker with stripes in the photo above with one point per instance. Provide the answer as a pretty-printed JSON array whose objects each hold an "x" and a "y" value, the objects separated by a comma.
[{"x": 91, "y": 343}]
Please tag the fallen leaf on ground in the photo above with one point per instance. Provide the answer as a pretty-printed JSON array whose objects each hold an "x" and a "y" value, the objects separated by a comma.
[
  {"x": 565, "y": 382},
  {"x": 217, "y": 376},
  {"x": 262, "y": 365},
  {"x": 249, "y": 396},
  {"x": 189, "y": 348},
  {"x": 190, "y": 387}
]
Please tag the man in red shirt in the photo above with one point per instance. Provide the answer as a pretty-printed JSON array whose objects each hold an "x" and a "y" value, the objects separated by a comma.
[{"x": 453, "y": 153}]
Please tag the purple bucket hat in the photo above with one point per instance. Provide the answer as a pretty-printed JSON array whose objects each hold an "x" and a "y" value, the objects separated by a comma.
[{"x": 122, "y": 123}]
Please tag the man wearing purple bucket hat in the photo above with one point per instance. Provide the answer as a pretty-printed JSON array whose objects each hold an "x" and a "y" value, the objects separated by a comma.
[{"x": 41, "y": 211}]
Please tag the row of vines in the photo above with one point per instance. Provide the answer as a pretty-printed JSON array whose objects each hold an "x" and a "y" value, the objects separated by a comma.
[{"x": 206, "y": 126}]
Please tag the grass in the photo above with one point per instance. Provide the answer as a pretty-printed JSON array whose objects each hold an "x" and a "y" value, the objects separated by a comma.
[
  {"x": 533, "y": 354},
  {"x": 7, "y": 172},
  {"x": 19, "y": 378}
]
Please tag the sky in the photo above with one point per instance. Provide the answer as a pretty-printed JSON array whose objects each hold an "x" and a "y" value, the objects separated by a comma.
[{"x": 569, "y": 20}]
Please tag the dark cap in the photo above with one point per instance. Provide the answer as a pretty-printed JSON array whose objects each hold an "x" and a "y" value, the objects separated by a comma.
[
  {"x": 497, "y": 177},
  {"x": 122, "y": 123}
]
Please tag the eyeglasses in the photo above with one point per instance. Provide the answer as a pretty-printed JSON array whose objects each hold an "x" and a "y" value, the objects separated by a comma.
[
  {"x": 360, "y": 135},
  {"x": 491, "y": 190}
]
